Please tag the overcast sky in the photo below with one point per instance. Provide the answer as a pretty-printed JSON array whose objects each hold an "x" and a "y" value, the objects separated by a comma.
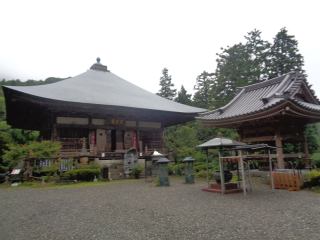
[{"x": 137, "y": 39}]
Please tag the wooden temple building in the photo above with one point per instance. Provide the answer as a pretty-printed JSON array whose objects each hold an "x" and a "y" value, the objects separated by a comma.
[
  {"x": 274, "y": 112},
  {"x": 95, "y": 115}
]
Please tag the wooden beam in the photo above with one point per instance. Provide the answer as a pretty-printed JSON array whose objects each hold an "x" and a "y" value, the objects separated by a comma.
[
  {"x": 292, "y": 136},
  {"x": 258, "y": 139},
  {"x": 279, "y": 150},
  {"x": 262, "y": 129},
  {"x": 296, "y": 155}
]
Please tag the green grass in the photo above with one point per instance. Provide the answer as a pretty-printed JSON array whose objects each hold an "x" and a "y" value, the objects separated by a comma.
[{"x": 37, "y": 185}]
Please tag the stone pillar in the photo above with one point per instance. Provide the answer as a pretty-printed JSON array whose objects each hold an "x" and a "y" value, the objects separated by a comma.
[{"x": 279, "y": 151}]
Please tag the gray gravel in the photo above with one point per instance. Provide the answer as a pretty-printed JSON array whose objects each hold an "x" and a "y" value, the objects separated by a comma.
[{"x": 138, "y": 210}]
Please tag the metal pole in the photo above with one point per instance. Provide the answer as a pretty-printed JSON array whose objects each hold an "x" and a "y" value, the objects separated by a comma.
[
  {"x": 249, "y": 172},
  {"x": 271, "y": 172},
  {"x": 145, "y": 170},
  {"x": 242, "y": 172},
  {"x": 238, "y": 175},
  {"x": 152, "y": 170},
  {"x": 207, "y": 170},
  {"x": 221, "y": 173}
]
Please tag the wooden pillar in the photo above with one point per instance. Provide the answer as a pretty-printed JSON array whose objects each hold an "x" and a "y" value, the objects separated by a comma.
[
  {"x": 304, "y": 147},
  {"x": 90, "y": 121},
  {"x": 279, "y": 151},
  {"x": 138, "y": 141},
  {"x": 306, "y": 153},
  {"x": 240, "y": 133},
  {"x": 54, "y": 134}
]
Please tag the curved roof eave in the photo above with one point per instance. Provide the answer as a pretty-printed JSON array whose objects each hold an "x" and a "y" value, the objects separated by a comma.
[
  {"x": 266, "y": 112},
  {"x": 105, "y": 89}
]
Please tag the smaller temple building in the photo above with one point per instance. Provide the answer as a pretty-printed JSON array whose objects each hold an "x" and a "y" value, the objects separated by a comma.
[
  {"x": 274, "y": 112},
  {"x": 96, "y": 116}
]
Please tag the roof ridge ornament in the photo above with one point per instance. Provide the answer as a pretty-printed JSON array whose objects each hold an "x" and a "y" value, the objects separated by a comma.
[
  {"x": 98, "y": 66},
  {"x": 278, "y": 91}
]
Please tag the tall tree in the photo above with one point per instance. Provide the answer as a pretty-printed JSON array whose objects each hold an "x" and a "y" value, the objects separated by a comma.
[
  {"x": 166, "y": 90},
  {"x": 285, "y": 55},
  {"x": 259, "y": 51},
  {"x": 202, "y": 95},
  {"x": 232, "y": 71},
  {"x": 183, "y": 97}
]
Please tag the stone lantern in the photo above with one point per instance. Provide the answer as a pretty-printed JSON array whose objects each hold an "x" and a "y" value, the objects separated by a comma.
[
  {"x": 154, "y": 158},
  {"x": 163, "y": 172},
  {"x": 188, "y": 169}
]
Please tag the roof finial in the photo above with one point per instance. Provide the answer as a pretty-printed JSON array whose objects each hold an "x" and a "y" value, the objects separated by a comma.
[{"x": 98, "y": 60}]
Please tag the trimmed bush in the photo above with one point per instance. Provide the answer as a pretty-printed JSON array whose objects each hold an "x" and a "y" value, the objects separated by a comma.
[{"x": 82, "y": 174}]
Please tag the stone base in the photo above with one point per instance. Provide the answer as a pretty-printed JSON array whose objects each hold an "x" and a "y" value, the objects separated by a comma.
[
  {"x": 225, "y": 192},
  {"x": 229, "y": 186}
]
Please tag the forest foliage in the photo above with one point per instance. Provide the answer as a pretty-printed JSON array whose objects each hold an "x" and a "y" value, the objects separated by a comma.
[
  {"x": 16, "y": 144},
  {"x": 256, "y": 60}
]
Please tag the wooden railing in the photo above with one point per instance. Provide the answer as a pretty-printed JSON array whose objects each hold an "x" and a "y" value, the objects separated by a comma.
[
  {"x": 73, "y": 143},
  {"x": 288, "y": 181}
]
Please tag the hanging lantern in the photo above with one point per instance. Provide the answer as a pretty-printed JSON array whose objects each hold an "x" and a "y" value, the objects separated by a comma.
[
  {"x": 188, "y": 169},
  {"x": 163, "y": 172}
]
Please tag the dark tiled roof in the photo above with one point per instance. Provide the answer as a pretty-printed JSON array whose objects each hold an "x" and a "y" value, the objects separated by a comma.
[
  {"x": 104, "y": 88},
  {"x": 263, "y": 96}
]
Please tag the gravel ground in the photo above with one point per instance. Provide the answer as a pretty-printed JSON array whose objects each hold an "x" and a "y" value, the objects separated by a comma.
[{"x": 138, "y": 210}]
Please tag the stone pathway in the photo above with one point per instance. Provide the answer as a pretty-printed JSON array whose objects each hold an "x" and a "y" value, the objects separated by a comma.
[{"x": 138, "y": 210}]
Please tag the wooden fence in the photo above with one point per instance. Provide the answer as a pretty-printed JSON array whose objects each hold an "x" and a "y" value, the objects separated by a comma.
[{"x": 288, "y": 181}]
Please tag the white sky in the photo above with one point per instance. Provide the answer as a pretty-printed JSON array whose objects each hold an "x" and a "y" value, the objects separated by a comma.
[{"x": 137, "y": 39}]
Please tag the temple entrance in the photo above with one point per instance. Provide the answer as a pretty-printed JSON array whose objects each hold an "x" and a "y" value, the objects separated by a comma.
[{"x": 113, "y": 141}]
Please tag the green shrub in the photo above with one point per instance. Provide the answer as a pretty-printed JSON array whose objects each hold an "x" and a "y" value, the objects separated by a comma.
[
  {"x": 203, "y": 167},
  {"x": 46, "y": 179},
  {"x": 315, "y": 162},
  {"x": 82, "y": 174},
  {"x": 314, "y": 178},
  {"x": 136, "y": 170},
  {"x": 170, "y": 168},
  {"x": 50, "y": 170},
  {"x": 198, "y": 163},
  {"x": 92, "y": 165},
  {"x": 235, "y": 179},
  {"x": 179, "y": 169},
  {"x": 203, "y": 174},
  {"x": 3, "y": 169}
]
